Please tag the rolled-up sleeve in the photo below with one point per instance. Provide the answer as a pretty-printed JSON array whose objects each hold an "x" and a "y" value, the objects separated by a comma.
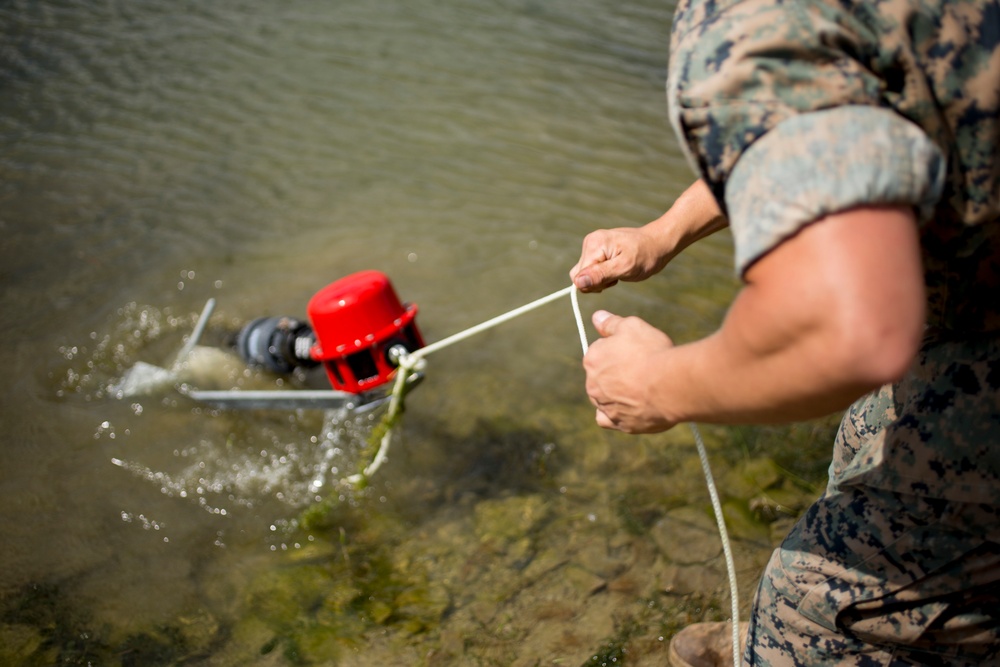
[
  {"x": 815, "y": 164},
  {"x": 780, "y": 110}
]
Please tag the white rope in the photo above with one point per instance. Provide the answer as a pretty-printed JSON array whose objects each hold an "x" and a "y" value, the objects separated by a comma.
[
  {"x": 727, "y": 548},
  {"x": 412, "y": 361},
  {"x": 488, "y": 324},
  {"x": 575, "y": 300}
]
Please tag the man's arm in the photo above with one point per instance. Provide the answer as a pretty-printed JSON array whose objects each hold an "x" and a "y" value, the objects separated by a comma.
[
  {"x": 826, "y": 316},
  {"x": 636, "y": 253}
]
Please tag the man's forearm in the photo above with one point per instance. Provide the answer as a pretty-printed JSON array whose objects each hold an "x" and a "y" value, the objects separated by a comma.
[
  {"x": 719, "y": 380},
  {"x": 826, "y": 317},
  {"x": 693, "y": 216}
]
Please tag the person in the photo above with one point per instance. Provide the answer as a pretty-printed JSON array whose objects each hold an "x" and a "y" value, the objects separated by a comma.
[{"x": 852, "y": 147}]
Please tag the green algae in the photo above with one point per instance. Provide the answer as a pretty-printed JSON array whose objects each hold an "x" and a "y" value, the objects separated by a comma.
[
  {"x": 508, "y": 555},
  {"x": 39, "y": 626},
  {"x": 18, "y": 643},
  {"x": 614, "y": 651}
]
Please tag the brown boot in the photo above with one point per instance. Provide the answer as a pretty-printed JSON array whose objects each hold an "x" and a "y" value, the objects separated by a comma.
[{"x": 706, "y": 645}]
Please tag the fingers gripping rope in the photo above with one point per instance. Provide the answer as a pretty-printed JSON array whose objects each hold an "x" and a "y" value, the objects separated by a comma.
[{"x": 414, "y": 361}]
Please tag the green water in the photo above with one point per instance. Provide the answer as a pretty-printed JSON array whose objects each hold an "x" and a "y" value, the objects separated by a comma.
[{"x": 154, "y": 155}]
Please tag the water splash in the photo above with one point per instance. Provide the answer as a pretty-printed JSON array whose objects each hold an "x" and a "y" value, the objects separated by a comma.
[
  {"x": 297, "y": 471},
  {"x": 138, "y": 332},
  {"x": 247, "y": 457}
]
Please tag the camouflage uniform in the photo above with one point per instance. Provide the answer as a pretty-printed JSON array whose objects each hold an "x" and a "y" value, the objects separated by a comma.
[{"x": 794, "y": 109}]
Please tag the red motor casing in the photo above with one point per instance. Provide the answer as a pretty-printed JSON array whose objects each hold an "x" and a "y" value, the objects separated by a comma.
[{"x": 356, "y": 320}]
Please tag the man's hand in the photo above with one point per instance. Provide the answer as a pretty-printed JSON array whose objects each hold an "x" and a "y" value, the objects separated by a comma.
[
  {"x": 636, "y": 253},
  {"x": 610, "y": 255},
  {"x": 617, "y": 368}
]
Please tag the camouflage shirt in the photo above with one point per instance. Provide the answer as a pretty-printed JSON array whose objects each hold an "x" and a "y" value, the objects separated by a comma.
[{"x": 795, "y": 109}]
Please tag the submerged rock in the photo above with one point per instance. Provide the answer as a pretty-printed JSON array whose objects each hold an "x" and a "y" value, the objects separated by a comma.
[
  {"x": 504, "y": 522},
  {"x": 197, "y": 630},
  {"x": 687, "y": 536},
  {"x": 18, "y": 643}
]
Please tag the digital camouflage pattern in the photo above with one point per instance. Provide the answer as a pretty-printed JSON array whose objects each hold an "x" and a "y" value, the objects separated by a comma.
[
  {"x": 870, "y": 577},
  {"x": 740, "y": 68},
  {"x": 870, "y": 156},
  {"x": 794, "y": 109},
  {"x": 936, "y": 433}
]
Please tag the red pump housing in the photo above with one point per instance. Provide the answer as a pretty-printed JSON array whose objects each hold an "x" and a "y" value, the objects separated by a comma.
[{"x": 356, "y": 321}]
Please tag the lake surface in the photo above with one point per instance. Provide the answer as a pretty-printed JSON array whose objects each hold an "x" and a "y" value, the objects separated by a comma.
[{"x": 154, "y": 155}]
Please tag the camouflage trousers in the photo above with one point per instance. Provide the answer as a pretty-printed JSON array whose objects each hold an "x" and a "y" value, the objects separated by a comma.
[{"x": 874, "y": 577}]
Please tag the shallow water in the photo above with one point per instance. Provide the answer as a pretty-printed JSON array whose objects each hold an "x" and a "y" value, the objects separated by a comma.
[{"x": 154, "y": 155}]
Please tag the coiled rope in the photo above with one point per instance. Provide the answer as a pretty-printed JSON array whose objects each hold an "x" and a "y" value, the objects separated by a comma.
[{"x": 414, "y": 361}]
